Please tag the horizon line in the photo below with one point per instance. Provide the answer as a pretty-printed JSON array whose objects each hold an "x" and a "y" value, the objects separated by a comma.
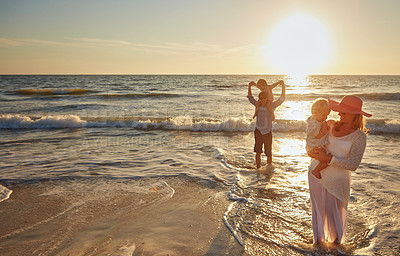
[{"x": 190, "y": 74}]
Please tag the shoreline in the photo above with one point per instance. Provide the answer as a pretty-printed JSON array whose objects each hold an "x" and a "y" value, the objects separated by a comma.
[{"x": 149, "y": 216}]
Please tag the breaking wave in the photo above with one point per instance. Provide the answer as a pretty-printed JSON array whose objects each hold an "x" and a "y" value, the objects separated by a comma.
[
  {"x": 44, "y": 122},
  {"x": 183, "y": 123}
]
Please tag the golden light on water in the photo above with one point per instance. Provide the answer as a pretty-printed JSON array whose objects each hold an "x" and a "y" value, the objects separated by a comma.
[
  {"x": 295, "y": 108},
  {"x": 291, "y": 147},
  {"x": 298, "y": 45},
  {"x": 299, "y": 84}
]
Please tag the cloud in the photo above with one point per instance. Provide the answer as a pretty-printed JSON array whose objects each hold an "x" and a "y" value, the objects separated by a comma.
[
  {"x": 103, "y": 42},
  {"x": 5, "y": 42},
  {"x": 12, "y": 42},
  {"x": 198, "y": 49},
  {"x": 202, "y": 49},
  {"x": 171, "y": 48}
]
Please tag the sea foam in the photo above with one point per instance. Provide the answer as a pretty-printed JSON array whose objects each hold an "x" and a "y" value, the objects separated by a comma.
[
  {"x": 44, "y": 122},
  {"x": 4, "y": 193},
  {"x": 179, "y": 123}
]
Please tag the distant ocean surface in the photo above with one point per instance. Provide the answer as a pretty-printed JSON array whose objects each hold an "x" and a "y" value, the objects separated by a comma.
[{"x": 200, "y": 126}]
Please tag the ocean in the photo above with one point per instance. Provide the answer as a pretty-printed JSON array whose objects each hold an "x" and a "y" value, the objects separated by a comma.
[{"x": 147, "y": 128}]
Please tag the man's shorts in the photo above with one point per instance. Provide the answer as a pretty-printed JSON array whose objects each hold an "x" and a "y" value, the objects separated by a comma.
[{"x": 265, "y": 139}]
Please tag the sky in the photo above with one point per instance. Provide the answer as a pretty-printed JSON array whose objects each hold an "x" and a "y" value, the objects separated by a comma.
[{"x": 346, "y": 37}]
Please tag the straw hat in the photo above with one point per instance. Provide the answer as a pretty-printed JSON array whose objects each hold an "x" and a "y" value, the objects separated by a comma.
[{"x": 349, "y": 104}]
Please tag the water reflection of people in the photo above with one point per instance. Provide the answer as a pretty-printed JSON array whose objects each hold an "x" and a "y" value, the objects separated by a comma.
[{"x": 330, "y": 195}]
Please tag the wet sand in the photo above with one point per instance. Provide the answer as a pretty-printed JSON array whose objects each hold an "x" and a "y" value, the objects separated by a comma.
[{"x": 164, "y": 216}]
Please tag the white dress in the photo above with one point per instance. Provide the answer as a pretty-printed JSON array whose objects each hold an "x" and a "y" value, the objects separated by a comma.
[{"x": 330, "y": 195}]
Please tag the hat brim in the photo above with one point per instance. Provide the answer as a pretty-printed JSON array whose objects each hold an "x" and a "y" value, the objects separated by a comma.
[{"x": 337, "y": 107}]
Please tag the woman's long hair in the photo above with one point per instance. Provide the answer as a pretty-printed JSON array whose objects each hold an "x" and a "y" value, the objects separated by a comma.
[{"x": 358, "y": 123}]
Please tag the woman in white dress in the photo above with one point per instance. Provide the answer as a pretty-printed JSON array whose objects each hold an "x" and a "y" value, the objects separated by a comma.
[{"x": 330, "y": 195}]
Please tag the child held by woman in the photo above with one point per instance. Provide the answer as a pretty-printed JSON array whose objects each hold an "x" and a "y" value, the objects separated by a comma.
[{"x": 317, "y": 131}]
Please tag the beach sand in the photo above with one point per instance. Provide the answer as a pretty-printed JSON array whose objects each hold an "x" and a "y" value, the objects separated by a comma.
[{"x": 162, "y": 216}]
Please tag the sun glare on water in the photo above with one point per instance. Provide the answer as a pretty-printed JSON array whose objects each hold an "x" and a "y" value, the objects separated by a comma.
[{"x": 298, "y": 45}]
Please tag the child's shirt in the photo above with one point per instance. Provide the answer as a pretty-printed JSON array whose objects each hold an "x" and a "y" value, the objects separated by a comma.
[
  {"x": 264, "y": 116},
  {"x": 313, "y": 128}
]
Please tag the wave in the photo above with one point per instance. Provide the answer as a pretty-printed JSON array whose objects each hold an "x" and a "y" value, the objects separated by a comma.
[
  {"x": 4, "y": 193},
  {"x": 90, "y": 93},
  {"x": 380, "y": 96},
  {"x": 180, "y": 123},
  {"x": 377, "y": 126},
  {"x": 50, "y": 92},
  {"x": 364, "y": 96},
  {"x": 45, "y": 122},
  {"x": 93, "y": 93},
  {"x": 12, "y": 121},
  {"x": 139, "y": 95}
]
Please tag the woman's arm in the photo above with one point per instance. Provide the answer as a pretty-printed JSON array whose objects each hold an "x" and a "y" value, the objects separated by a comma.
[
  {"x": 320, "y": 155},
  {"x": 355, "y": 156}
]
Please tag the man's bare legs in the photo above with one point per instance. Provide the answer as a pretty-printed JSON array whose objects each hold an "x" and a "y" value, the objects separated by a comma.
[
  {"x": 269, "y": 159},
  {"x": 258, "y": 160}
]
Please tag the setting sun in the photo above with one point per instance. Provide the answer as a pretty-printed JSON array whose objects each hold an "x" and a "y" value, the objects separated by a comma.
[{"x": 298, "y": 45}]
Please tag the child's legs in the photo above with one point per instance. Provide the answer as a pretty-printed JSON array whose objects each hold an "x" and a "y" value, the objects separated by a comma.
[{"x": 318, "y": 169}]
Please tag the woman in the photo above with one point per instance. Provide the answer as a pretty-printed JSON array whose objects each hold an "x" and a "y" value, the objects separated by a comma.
[{"x": 330, "y": 195}]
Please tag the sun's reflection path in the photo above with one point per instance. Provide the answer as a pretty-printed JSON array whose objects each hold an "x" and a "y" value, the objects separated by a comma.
[
  {"x": 297, "y": 84},
  {"x": 295, "y": 106}
]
